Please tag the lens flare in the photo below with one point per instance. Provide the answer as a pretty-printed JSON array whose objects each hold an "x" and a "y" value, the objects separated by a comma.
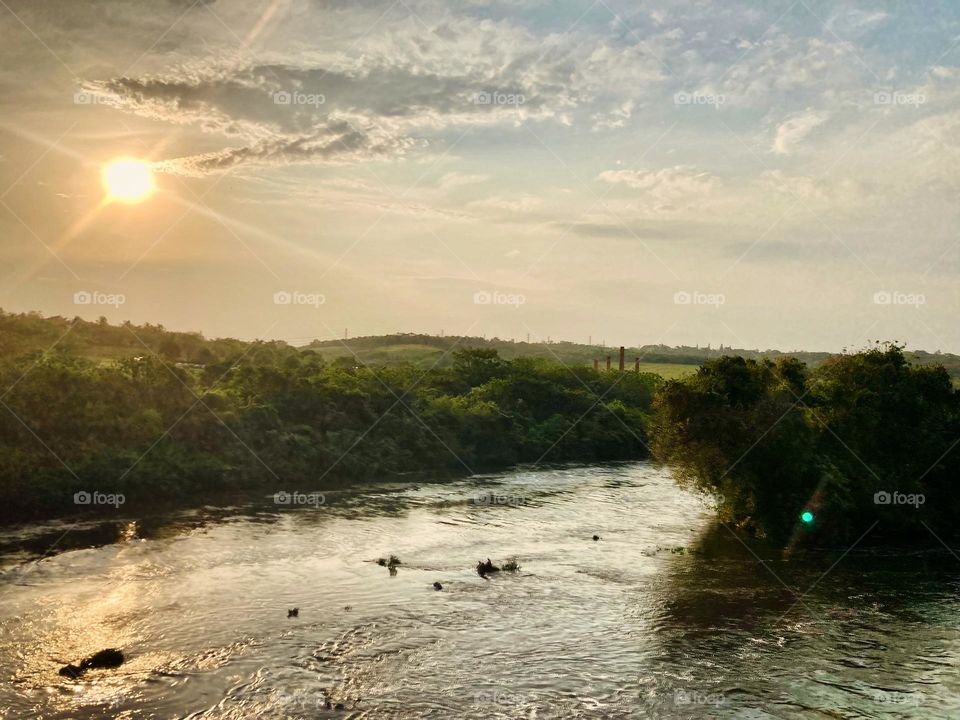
[{"x": 807, "y": 516}]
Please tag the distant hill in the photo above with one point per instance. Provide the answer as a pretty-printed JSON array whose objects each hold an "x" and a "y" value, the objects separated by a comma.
[
  {"x": 419, "y": 349},
  {"x": 568, "y": 352},
  {"x": 99, "y": 340},
  {"x": 22, "y": 333}
]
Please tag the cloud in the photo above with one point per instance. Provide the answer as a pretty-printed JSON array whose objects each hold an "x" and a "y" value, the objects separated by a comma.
[
  {"x": 616, "y": 118},
  {"x": 792, "y": 131},
  {"x": 852, "y": 22},
  {"x": 666, "y": 190},
  {"x": 401, "y": 86},
  {"x": 286, "y": 113},
  {"x": 335, "y": 141},
  {"x": 630, "y": 229},
  {"x": 457, "y": 179},
  {"x": 524, "y": 203},
  {"x": 778, "y": 251}
]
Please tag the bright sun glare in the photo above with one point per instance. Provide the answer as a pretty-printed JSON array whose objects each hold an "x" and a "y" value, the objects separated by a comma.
[{"x": 128, "y": 180}]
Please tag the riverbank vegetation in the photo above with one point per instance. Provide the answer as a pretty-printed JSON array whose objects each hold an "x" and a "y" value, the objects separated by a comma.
[
  {"x": 154, "y": 431},
  {"x": 861, "y": 442},
  {"x": 865, "y": 443}
]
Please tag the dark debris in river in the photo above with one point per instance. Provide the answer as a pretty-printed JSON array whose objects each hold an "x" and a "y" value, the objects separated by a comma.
[
  {"x": 488, "y": 568},
  {"x": 108, "y": 658}
]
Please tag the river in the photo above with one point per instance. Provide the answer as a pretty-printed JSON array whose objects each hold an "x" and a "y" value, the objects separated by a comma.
[{"x": 668, "y": 614}]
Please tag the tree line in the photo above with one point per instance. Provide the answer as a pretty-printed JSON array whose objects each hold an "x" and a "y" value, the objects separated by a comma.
[
  {"x": 284, "y": 419},
  {"x": 864, "y": 441}
]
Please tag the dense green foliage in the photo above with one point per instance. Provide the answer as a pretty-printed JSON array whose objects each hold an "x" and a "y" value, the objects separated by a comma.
[
  {"x": 773, "y": 440},
  {"x": 280, "y": 418},
  {"x": 169, "y": 417},
  {"x": 31, "y": 332}
]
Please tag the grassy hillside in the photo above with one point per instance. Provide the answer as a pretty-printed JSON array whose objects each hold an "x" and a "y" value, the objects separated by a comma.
[
  {"x": 99, "y": 341},
  {"x": 669, "y": 362}
]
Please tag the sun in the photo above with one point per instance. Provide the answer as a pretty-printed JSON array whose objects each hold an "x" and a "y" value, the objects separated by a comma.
[{"x": 128, "y": 180}]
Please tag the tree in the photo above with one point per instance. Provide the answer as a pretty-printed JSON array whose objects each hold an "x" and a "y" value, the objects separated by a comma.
[
  {"x": 169, "y": 350},
  {"x": 773, "y": 441},
  {"x": 476, "y": 366}
]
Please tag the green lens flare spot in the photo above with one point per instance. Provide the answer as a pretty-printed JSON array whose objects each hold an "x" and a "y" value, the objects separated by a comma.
[{"x": 807, "y": 517}]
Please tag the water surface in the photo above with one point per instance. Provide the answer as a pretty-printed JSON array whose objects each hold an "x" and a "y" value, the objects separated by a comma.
[{"x": 667, "y": 615}]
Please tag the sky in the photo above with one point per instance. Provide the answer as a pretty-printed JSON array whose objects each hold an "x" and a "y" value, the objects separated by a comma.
[{"x": 753, "y": 174}]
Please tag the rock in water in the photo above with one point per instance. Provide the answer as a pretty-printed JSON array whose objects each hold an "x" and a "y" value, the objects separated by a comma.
[
  {"x": 437, "y": 586},
  {"x": 109, "y": 658},
  {"x": 293, "y": 613},
  {"x": 483, "y": 568}
]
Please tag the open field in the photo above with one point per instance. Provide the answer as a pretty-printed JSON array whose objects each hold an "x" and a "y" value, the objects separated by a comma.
[{"x": 669, "y": 371}]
